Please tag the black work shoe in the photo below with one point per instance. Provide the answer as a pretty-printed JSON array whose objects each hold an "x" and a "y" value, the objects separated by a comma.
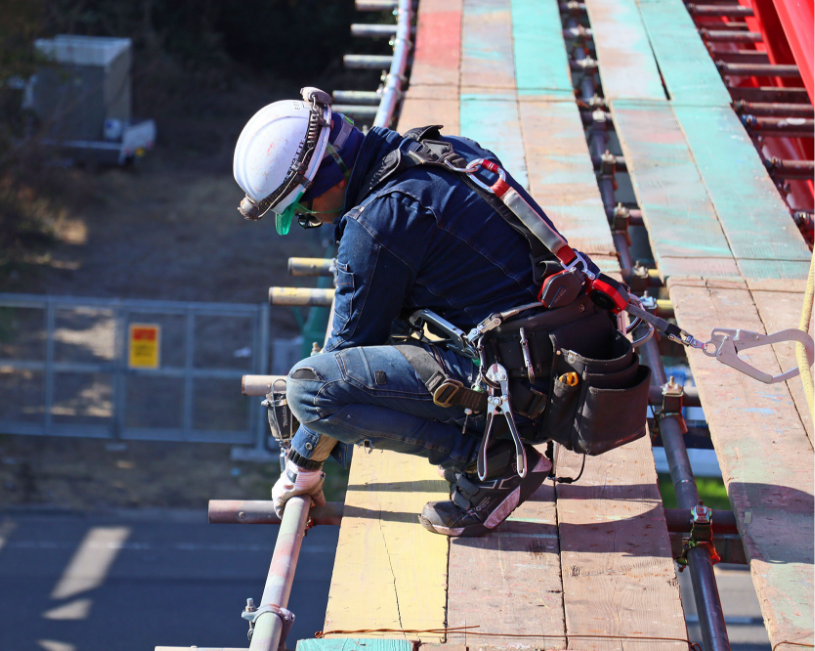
[{"x": 478, "y": 506}]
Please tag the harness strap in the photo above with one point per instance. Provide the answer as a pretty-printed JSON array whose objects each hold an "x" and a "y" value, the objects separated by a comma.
[{"x": 446, "y": 391}]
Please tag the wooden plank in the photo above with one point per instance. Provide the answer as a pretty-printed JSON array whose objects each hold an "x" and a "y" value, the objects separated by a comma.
[
  {"x": 509, "y": 581},
  {"x": 541, "y": 63},
  {"x": 437, "y": 53},
  {"x": 353, "y": 644},
  {"x": 492, "y": 120},
  {"x": 687, "y": 69},
  {"x": 420, "y": 112},
  {"x": 561, "y": 174},
  {"x": 619, "y": 578},
  {"x": 779, "y": 309},
  {"x": 389, "y": 571},
  {"x": 627, "y": 66},
  {"x": 433, "y": 94},
  {"x": 676, "y": 208},
  {"x": 765, "y": 457},
  {"x": 486, "y": 45},
  {"x": 763, "y": 270},
  {"x": 755, "y": 219}
]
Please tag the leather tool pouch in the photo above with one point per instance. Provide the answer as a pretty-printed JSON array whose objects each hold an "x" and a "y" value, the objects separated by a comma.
[{"x": 599, "y": 391}]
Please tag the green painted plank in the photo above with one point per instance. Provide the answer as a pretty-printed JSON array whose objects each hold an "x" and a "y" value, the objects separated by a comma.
[
  {"x": 494, "y": 123},
  {"x": 486, "y": 45},
  {"x": 755, "y": 219},
  {"x": 686, "y": 66},
  {"x": 561, "y": 174},
  {"x": 677, "y": 210},
  {"x": 773, "y": 269},
  {"x": 541, "y": 63},
  {"x": 627, "y": 65},
  {"x": 354, "y": 644}
]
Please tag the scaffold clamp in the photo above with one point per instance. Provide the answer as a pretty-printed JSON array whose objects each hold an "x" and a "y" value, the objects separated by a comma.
[{"x": 725, "y": 344}]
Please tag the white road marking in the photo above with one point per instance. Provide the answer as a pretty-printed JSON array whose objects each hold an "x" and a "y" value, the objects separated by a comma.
[
  {"x": 53, "y": 645},
  {"x": 178, "y": 546},
  {"x": 6, "y": 527},
  {"x": 77, "y": 609},
  {"x": 91, "y": 562}
]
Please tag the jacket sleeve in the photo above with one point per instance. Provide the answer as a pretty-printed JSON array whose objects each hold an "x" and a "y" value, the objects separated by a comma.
[{"x": 373, "y": 274}]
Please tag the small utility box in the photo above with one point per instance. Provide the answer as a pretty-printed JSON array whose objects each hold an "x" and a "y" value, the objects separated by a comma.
[{"x": 83, "y": 102}]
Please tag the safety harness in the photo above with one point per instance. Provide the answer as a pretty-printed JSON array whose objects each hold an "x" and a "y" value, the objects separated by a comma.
[{"x": 568, "y": 365}]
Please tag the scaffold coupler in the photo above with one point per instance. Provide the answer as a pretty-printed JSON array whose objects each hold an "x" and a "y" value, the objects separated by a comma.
[{"x": 251, "y": 613}]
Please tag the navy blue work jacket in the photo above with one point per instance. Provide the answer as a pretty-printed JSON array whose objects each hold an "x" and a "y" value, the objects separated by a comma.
[{"x": 422, "y": 239}]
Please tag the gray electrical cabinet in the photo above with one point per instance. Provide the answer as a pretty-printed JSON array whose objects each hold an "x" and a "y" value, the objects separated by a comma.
[{"x": 83, "y": 99}]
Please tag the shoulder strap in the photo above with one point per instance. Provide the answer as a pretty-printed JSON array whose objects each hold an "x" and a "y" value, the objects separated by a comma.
[{"x": 425, "y": 148}]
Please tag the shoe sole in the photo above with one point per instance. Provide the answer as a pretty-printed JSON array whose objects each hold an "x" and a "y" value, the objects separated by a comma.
[{"x": 519, "y": 496}]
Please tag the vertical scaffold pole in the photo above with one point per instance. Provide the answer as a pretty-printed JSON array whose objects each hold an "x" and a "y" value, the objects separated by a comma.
[{"x": 276, "y": 592}]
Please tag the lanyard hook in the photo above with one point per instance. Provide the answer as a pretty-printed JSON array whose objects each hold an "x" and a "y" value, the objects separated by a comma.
[{"x": 725, "y": 344}]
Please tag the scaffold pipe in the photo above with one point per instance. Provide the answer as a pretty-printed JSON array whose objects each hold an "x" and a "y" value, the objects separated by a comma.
[
  {"x": 268, "y": 625},
  {"x": 262, "y": 512}
]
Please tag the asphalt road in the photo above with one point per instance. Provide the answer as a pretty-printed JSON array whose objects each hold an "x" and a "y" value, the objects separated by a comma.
[{"x": 130, "y": 582}]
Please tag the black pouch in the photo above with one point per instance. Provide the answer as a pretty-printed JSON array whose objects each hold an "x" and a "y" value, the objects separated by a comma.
[{"x": 599, "y": 391}]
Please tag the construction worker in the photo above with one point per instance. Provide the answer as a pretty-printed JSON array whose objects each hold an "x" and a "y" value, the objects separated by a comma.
[{"x": 409, "y": 237}]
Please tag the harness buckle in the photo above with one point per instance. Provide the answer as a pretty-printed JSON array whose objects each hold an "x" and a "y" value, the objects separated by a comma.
[{"x": 727, "y": 343}]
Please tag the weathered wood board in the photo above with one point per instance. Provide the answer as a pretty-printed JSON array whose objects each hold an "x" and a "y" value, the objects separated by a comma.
[
  {"x": 389, "y": 571},
  {"x": 541, "y": 63},
  {"x": 687, "y": 69},
  {"x": 676, "y": 208},
  {"x": 509, "y": 581},
  {"x": 494, "y": 123},
  {"x": 353, "y": 644},
  {"x": 627, "y": 66},
  {"x": 437, "y": 52},
  {"x": 779, "y": 304},
  {"x": 487, "y": 60},
  {"x": 619, "y": 578},
  {"x": 755, "y": 219},
  {"x": 561, "y": 174},
  {"x": 765, "y": 457},
  {"x": 433, "y": 94}
]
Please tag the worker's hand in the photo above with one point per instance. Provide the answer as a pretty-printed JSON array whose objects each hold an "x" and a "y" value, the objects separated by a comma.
[{"x": 295, "y": 481}]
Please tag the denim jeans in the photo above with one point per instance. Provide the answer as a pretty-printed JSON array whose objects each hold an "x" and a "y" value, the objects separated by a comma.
[{"x": 371, "y": 396}]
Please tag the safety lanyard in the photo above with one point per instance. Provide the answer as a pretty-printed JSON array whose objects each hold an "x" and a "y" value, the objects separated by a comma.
[{"x": 724, "y": 344}]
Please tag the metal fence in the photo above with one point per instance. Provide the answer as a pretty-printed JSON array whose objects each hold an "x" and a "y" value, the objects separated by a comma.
[{"x": 73, "y": 367}]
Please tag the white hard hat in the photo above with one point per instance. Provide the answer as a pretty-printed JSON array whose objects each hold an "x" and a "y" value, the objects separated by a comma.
[{"x": 278, "y": 153}]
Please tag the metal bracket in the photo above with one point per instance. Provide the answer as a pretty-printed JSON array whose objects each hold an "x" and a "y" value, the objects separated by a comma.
[
  {"x": 250, "y": 614},
  {"x": 672, "y": 402},
  {"x": 701, "y": 533},
  {"x": 727, "y": 343}
]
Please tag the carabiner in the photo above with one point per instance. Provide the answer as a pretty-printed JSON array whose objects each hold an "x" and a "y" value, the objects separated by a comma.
[{"x": 727, "y": 343}]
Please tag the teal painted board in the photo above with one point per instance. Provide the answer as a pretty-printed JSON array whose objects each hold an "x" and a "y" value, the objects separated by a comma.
[
  {"x": 541, "y": 63},
  {"x": 487, "y": 59},
  {"x": 495, "y": 124},
  {"x": 755, "y": 219},
  {"x": 561, "y": 174},
  {"x": 773, "y": 269},
  {"x": 686, "y": 66},
  {"x": 628, "y": 69},
  {"x": 680, "y": 218},
  {"x": 353, "y": 644}
]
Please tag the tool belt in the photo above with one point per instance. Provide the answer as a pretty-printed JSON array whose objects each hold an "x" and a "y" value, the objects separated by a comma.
[
  {"x": 587, "y": 390},
  {"x": 567, "y": 369}
]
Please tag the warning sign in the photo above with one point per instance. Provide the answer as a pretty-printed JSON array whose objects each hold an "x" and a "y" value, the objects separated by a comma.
[{"x": 145, "y": 345}]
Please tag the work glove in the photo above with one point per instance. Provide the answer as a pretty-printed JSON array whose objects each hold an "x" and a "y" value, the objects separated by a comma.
[{"x": 295, "y": 481}]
